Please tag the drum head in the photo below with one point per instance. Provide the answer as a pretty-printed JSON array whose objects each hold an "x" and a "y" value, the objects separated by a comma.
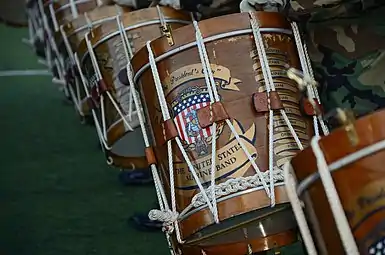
[
  {"x": 122, "y": 141},
  {"x": 130, "y": 145},
  {"x": 13, "y": 13}
]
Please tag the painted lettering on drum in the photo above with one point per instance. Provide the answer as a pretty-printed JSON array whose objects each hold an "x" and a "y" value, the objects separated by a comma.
[
  {"x": 278, "y": 59},
  {"x": 280, "y": 86},
  {"x": 119, "y": 62},
  {"x": 187, "y": 73},
  {"x": 231, "y": 160},
  {"x": 89, "y": 73},
  {"x": 367, "y": 200},
  {"x": 273, "y": 62},
  {"x": 111, "y": 59},
  {"x": 365, "y": 212}
]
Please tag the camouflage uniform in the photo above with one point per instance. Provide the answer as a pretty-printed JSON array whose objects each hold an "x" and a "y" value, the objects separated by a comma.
[{"x": 346, "y": 42}]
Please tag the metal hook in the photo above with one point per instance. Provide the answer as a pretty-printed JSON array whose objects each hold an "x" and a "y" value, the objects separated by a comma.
[
  {"x": 165, "y": 28},
  {"x": 110, "y": 161}
]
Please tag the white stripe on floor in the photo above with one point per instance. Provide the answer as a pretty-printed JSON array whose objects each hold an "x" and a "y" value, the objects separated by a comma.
[{"x": 25, "y": 72}]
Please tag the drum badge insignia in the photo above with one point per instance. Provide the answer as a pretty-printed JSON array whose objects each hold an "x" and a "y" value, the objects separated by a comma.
[{"x": 186, "y": 119}]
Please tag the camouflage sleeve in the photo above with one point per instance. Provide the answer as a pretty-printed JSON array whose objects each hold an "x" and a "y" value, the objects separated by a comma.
[
  {"x": 346, "y": 45},
  {"x": 317, "y": 10}
]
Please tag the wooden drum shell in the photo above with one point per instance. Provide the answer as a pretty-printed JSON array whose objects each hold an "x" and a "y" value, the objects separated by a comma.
[
  {"x": 228, "y": 53},
  {"x": 111, "y": 60},
  {"x": 75, "y": 31},
  {"x": 360, "y": 185}
]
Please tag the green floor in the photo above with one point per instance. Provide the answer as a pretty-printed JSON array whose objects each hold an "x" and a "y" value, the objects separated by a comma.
[{"x": 57, "y": 195}]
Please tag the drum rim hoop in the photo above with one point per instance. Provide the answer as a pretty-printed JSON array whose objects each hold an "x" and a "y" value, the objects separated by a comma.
[
  {"x": 345, "y": 159},
  {"x": 303, "y": 186}
]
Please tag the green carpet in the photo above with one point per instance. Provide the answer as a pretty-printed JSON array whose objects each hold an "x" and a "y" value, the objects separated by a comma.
[{"x": 58, "y": 196}]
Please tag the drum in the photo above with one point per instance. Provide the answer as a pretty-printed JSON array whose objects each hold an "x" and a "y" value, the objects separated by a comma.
[
  {"x": 45, "y": 44},
  {"x": 213, "y": 91},
  {"x": 69, "y": 38},
  {"x": 341, "y": 180},
  {"x": 35, "y": 28},
  {"x": 113, "y": 100}
]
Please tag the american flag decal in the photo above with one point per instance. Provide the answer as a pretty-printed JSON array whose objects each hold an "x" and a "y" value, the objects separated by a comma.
[{"x": 186, "y": 119}]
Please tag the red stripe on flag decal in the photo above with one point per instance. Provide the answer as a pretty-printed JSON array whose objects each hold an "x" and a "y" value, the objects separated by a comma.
[
  {"x": 179, "y": 127},
  {"x": 182, "y": 121}
]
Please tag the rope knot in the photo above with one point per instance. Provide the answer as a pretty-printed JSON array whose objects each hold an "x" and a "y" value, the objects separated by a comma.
[{"x": 167, "y": 217}]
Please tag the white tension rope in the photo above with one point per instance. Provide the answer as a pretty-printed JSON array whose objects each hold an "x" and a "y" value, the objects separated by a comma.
[
  {"x": 75, "y": 95},
  {"x": 312, "y": 92}
]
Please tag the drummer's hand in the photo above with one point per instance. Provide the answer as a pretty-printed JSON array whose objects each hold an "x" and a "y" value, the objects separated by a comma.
[{"x": 266, "y": 5}]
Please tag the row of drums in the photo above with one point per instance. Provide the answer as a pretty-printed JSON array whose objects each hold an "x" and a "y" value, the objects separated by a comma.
[{"x": 242, "y": 159}]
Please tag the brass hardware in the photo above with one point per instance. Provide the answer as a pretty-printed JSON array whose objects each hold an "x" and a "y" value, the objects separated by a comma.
[
  {"x": 166, "y": 31},
  {"x": 347, "y": 120}
]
